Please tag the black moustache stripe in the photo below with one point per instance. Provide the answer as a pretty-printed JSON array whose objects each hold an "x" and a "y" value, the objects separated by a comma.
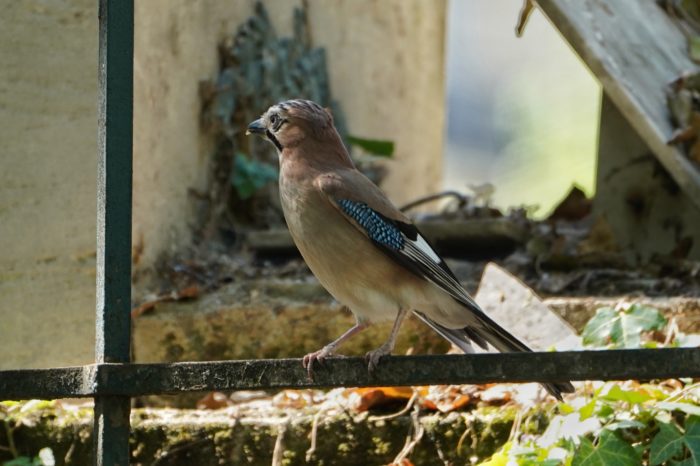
[{"x": 273, "y": 139}]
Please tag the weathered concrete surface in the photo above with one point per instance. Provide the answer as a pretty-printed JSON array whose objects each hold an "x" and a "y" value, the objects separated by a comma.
[
  {"x": 275, "y": 319},
  {"x": 646, "y": 210},
  {"x": 229, "y": 436},
  {"x": 263, "y": 319},
  {"x": 48, "y": 102},
  {"x": 386, "y": 64},
  {"x": 48, "y": 129}
]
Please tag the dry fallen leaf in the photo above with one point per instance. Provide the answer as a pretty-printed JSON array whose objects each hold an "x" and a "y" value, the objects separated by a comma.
[
  {"x": 213, "y": 400},
  {"x": 403, "y": 462},
  {"x": 575, "y": 206},
  {"x": 600, "y": 238},
  {"x": 497, "y": 394},
  {"x": 363, "y": 399},
  {"x": 188, "y": 292},
  {"x": 293, "y": 399}
]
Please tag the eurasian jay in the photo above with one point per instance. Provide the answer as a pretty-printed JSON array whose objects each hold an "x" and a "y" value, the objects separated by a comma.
[{"x": 362, "y": 249}]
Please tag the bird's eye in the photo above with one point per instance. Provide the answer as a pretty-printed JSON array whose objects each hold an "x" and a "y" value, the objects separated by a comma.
[{"x": 274, "y": 120}]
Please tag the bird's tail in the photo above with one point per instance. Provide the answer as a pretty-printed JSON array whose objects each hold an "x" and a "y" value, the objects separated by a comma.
[
  {"x": 490, "y": 332},
  {"x": 505, "y": 342}
]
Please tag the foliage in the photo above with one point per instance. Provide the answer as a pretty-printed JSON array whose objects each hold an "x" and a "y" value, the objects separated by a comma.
[
  {"x": 44, "y": 458},
  {"x": 616, "y": 423},
  {"x": 615, "y": 426},
  {"x": 13, "y": 415},
  {"x": 260, "y": 68},
  {"x": 623, "y": 327},
  {"x": 373, "y": 146},
  {"x": 250, "y": 175}
]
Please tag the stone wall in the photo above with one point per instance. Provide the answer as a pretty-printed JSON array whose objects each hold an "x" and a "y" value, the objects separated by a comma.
[{"x": 386, "y": 68}]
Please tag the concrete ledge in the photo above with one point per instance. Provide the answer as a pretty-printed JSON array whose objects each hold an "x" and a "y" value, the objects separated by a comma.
[
  {"x": 289, "y": 318},
  {"x": 262, "y": 319},
  {"x": 236, "y": 436}
]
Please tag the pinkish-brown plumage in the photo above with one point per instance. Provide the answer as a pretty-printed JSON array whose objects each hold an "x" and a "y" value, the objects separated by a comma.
[{"x": 362, "y": 249}]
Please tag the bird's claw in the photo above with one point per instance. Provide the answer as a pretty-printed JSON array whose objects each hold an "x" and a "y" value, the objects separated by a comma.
[
  {"x": 317, "y": 356},
  {"x": 373, "y": 357}
]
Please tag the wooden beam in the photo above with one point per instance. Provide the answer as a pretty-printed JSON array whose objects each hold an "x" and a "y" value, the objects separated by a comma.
[{"x": 635, "y": 50}]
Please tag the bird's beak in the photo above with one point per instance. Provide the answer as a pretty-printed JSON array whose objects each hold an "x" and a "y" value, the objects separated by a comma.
[{"x": 256, "y": 127}]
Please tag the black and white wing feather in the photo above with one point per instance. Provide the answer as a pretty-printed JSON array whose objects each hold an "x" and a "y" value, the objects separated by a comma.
[{"x": 403, "y": 243}]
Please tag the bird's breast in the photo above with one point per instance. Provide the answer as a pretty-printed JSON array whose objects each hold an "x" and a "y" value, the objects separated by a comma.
[{"x": 344, "y": 260}]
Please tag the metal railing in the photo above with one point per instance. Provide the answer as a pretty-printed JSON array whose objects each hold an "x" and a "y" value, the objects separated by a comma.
[{"x": 113, "y": 380}]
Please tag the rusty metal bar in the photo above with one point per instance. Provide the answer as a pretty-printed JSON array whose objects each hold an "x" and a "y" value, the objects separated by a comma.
[
  {"x": 64, "y": 382},
  {"x": 144, "y": 379},
  {"x": 124, "y": 380}
]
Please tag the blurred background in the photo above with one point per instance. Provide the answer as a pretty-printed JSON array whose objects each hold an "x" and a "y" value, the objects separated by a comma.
[
  {"x": 522, "y": 113},
  {"x": 462, "y": 100}
]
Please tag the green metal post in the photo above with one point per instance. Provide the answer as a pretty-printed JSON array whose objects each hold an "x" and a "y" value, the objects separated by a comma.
[{"x": 114, "y": 179}]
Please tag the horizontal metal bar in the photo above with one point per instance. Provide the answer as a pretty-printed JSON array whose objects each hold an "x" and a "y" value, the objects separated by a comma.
[
  {"x": 63, "y": 382},
  {"x": 150, "y": 379}
]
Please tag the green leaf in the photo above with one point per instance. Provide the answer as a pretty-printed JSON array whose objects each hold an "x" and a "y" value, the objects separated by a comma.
[
  {"x": 692, "y": 437},
  {"x": 610, "y": 451},
  {"x": 584, "y": 453},
  {"x": 586, "y": 410},
  {"x": 23, "y": 461},
  {"x": 646, "y": 317},
  {"x": 622, "y": 328},
  {"x": 225, "y": 100},
  {"x": 605, "y": 411},
  {"x": 373, "y": 146},
  {"x": 625, "y": 424},
  {"x": 629, "y": 396},
  {"x": 667, "y": 443},
  {"x": 597, "y": 331},
  {"x": 686, "y": 462},
  {"x": 250, "y": 175},
  {"x": 675, "y": 406}
]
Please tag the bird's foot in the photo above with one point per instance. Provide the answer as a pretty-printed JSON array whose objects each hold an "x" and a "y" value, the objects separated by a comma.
[
  {"x": 374, "y": 356},
  {"x": 319, "y": 356}
]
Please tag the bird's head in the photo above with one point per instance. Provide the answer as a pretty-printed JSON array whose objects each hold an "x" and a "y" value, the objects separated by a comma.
[{"x": 289, "y": 123}]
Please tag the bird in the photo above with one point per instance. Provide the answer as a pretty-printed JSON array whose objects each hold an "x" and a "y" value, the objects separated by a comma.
[{"x": 364, "y": 251}]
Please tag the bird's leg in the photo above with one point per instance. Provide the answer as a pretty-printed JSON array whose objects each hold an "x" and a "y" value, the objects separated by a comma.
[
  {"x": 330, "y": 348},
  {"x": 373, "y": 357}
]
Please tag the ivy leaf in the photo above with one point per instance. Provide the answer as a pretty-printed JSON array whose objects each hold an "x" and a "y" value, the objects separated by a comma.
[
  {"x": 373, "y": 146},
  {"x": 622, "y": 328},
  {"x": 686, "y": 462},
  {"x": 249, "y": 175},
  {"x": 625, "y": 424},
  {"x": 584, "y": 453},
  {"x": 586, "y": 410},
  {"x": 598, "y": 330},
  {"x": 667, "y": 443},
  {"x": 630, "y": 396},
  {"x": 225, "y": 100},
  {"x": 692, "y": 436},
  {"x": 610, "y": 451},
  {"x": 677, "y": 406}
]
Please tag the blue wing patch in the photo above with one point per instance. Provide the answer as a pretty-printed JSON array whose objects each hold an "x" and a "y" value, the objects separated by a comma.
[{"x": 377, "y": 227}]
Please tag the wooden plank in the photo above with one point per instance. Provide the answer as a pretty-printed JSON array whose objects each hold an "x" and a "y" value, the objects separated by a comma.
[
  {"x": 635, "y": 50},
  {"x": 472, "y": 233}
]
